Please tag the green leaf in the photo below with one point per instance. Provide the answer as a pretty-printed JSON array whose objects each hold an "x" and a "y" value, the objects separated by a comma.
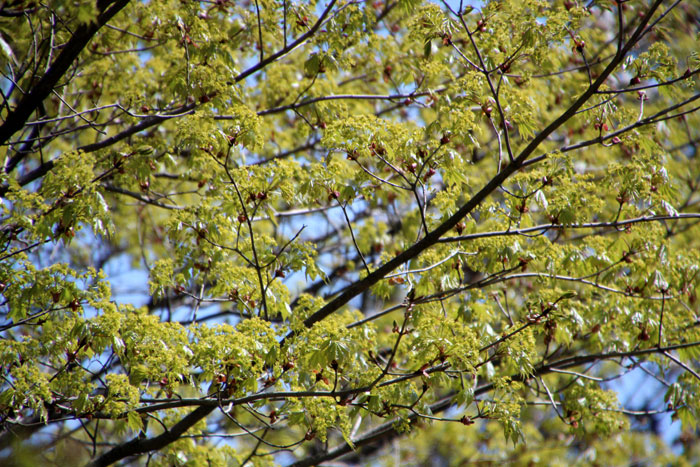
[{"x": 134, "y": 421}]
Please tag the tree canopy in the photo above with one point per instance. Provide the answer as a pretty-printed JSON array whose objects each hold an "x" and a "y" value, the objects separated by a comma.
[{"x": 395, "y": 232}]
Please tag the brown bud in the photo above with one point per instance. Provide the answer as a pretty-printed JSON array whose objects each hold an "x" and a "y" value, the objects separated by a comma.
[{"x": 644, "y": 335}]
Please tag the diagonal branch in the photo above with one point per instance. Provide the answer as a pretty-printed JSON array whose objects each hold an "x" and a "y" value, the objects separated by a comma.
[
  {"x": 434, "y": 236},
  {"x": 13, "y": 123},
  {"x": 80, "y": 38},
  {"x": 141, "y": 446},
  {"x": 281, "y": 53}
]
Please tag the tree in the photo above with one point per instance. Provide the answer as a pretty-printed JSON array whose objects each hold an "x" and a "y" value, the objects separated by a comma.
[{"x": 360, "y": 221}]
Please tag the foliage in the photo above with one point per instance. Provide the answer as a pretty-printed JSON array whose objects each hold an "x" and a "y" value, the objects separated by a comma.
[{"x": 372, "y": 231}]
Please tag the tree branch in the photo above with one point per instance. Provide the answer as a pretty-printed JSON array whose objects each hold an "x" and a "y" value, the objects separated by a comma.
[
  {"x": 387, "y": 431},
  {"x": 79, "y": 39},
  {"x": 434, "y": 236},
  {"x": 141, "y": 446}
]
